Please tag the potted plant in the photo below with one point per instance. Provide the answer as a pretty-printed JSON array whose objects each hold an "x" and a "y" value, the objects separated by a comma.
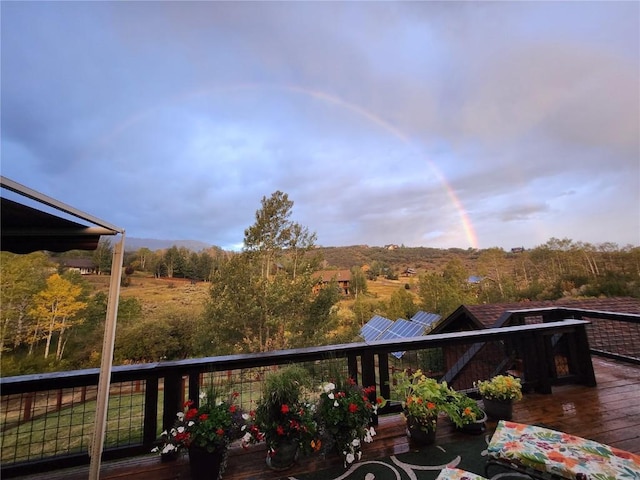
[
  {"x": 465, "y": 413},
  {"x": 345, "y": 416},
  {"x": 206, "y": 431},
  {"x": 423, "y": 399},
  {"x": 284, "y": 418},
  {"x": 498, "y": 395}
]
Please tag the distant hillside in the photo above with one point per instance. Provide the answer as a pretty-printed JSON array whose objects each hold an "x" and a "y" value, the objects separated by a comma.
[
  {"x": 132, "y": 244},
  {"x": 399, "y": 258}
]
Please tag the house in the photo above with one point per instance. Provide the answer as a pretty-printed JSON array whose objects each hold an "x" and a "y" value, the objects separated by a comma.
[
  {"x": 478, "y": 317},
  {"x": 475, "y": 317},
  {"x": 85, "y": 266},
  {"x": 409, "y": 272},
  {"x": 342, "y": 277}
]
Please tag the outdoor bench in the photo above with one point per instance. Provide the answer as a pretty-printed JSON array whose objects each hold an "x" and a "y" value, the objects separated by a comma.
[{"x": 548, "y": 454}]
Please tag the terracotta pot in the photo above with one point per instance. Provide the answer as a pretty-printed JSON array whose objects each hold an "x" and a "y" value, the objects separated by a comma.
[{"x": 498, "y": 409}]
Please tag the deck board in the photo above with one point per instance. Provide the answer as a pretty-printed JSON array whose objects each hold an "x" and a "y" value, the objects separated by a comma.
[{"x": 608, "y": 413}]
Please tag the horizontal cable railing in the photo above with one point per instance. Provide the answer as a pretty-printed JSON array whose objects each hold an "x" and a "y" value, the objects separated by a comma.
[{"x": 46, "y": 420}]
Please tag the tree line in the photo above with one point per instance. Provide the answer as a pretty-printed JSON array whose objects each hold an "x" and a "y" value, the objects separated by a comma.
[{"x": 267, "y": 296}]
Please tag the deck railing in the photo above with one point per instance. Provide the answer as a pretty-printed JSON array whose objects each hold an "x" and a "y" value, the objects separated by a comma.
[{"x": 46, "y": 420}]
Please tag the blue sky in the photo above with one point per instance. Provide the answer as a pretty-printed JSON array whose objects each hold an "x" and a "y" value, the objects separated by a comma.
[{"x": 441, "y": 124}]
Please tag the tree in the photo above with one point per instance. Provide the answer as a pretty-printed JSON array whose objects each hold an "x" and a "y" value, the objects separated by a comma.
[
  {"x": 22, "y": 277},
  {"x": 55, "y": 309},
  {"x": 358, "y": 283},
  {"x": 103, "y": 256},
  {"x": 273, "y": 231},
  {"x": 401, "y": 305},
  {"x": 254, "y": 306}
]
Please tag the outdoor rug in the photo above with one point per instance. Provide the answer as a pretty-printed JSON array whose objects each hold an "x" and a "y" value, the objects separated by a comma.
[{"x": 422, "y": 464}]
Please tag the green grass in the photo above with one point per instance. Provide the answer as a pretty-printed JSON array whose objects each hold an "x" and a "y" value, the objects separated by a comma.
[{"x": 70, "y": 429}]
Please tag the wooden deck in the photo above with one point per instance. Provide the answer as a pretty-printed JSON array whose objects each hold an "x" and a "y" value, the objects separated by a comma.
[{"x": 608, "y": 413}]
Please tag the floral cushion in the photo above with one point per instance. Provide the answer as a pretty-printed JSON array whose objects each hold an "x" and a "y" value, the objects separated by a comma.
[
  {"x": 457, "y": 474},
  {"x": 561, "y": 454}
]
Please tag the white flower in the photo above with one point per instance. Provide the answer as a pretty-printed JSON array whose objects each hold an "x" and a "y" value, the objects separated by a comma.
[
  {"x": 181, "y": 429},
  {"x": 168, "y": 448},
  {"x": 190, "y": 424},
  {"x": 350, "y": 458},
  {"x": 328, "y": 387},
  {"x": 164, "y": 433},
  {"x": 180, "y": 415},
  {"x": 174, "y": 432},
  {"x": 372, "y": 432},
  {"x": 246, "y": 438},
  {"x": 355, "y": 442},
  {"x": 368, "y": 438},
  {"x": 203, "y": 395},
  {"x": 331, "y": 396},
  {"x": 359, "y": 455},
  {"x": 155, "y": 450},
  {"x": 336, "y": 404},
  {"x": 246, "y": 416}
]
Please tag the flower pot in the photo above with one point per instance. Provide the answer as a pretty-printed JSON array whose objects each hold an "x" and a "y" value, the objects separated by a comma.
[
  {"x": 205, "y": 465},
  {"x": 420, "y": 433},
  {"x": 283, "y": 456},
  {"x": 475, "y": 428},
  {"x": 498, "y": 409}
]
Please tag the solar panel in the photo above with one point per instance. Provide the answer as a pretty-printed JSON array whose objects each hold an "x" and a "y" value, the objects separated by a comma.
[
  {"x": 426, "y": 319},
  {"x": 374, "y": 328},
  {"x": 402, "y": 329}
]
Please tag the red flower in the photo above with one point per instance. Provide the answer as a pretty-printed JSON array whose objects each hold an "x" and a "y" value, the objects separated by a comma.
[
  {"x": 280, "y": 430},
  {"x": 220, "y": 432},
  {"x": 188, "y": 403},
  {"x": 191, "y": 413},
  {"x": 353, "y": 408},
  {"x": 203, "y": 417},
  {"x": 284, "y": 409},
  {"x": 233, "y": 408}
]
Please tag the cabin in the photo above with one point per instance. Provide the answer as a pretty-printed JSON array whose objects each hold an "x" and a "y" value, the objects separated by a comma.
[
  {"x": 84, "y": 266},
  {"x": 341, "y": 277}
]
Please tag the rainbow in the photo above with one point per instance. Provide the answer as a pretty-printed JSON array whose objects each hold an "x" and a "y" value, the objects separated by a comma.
[{"x": 467, "y": 226}]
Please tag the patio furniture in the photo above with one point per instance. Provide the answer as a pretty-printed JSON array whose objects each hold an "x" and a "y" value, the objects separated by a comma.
[
  {"x": 457, "y": 474},
  {"x": 546, "y": 454}
]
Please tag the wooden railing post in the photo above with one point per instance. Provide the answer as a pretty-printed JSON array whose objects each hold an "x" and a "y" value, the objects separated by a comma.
[
  {"x": 172, "y": 401},
  {"x": 194, "y": 387},
  {"x": 583, "y": 357},
  {"x": 150, "y": 426}
]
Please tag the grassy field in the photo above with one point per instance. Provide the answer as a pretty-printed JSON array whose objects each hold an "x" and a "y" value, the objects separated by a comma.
[{"x": 162, "y": 293}]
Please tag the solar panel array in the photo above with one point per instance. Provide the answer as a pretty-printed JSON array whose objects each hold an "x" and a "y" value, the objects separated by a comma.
[
  {"x": 402, "y": 329},
  {"x": 381, "y": 328},
  {"x": 426, "y": 319},
  {"x": 374, "y": 328}
]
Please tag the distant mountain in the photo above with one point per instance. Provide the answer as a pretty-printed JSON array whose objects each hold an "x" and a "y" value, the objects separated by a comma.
[{"x": 132, "y": 244}]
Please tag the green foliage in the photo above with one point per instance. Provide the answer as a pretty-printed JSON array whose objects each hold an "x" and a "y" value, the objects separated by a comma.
[
  {"x": 344, "y": 417},
  {"x": 501, "y": 387},
  {"x": 462, "y": 409},
  {"x": 283, "y": 412},
  {"x": 214, "y": 424},
  {"x": 423, "y": 398},
  {"x": 401, "y": 305},
  {"x": 168, "y": 336}
]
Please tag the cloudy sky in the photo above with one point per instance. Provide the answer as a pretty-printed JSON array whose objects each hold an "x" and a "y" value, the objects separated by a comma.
[{"x": 424, "y": 123}]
